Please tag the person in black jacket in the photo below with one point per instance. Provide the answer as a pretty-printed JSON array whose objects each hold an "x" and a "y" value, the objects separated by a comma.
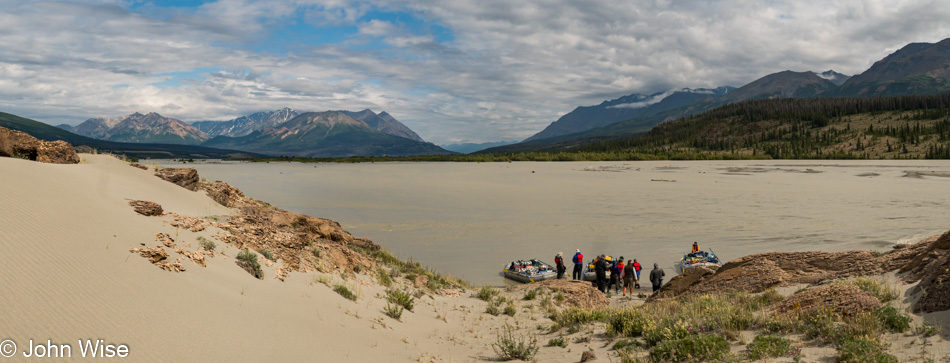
[
  {"x": 656, "y": 277},
  {"x": 559, "y": 265},
  {"x": 600, "y": 269}
]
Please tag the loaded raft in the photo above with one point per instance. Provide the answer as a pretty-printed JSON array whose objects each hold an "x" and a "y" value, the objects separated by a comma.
[{"x": 532, "y": 270}]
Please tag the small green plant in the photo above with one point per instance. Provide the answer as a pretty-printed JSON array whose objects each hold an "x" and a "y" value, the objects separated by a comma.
[
  {"x": 400, "y": 298},
  {"x": 248, "y": 260},
  {"x": 206, "y": 244},
  {"x": 510, "y": 309},
  {"x": 892, "y": 319},
  {"x": 493, "y": 309},
  {"x": 877, "y": 288},
  {"x": 558, "y": 342},
  {"x": 344, "y": 291},
  {"x": 702, "y": 347},
  {"x": 316, "y": 251},
  {"x": 393, "y": 311},
  {"x": 768, "y": 346},
  {"x": 383, "y": 277},
  {"x": 863, "y": 349},
  {"x": 267, "y": 254},
  {"x": 927, "y": 330},
  {"x": 487, "y": 293},
  {"x": 509, "y": 346},
  {"x": 531, "y": 294}
]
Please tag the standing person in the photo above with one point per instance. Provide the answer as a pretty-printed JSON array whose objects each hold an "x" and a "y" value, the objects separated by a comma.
[
  {"x": 578, "y": 259},
  {"x": 629, "y": 274},
  {"x": 656, "y": 277},
  {"x": 600, "y": 269},
  {"x": 637, "y": 268},
  {"x": 559, "y": 264},
  {"x": 616, "y": 268}
]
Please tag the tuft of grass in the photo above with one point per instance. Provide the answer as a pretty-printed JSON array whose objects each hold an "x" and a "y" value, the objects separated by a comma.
[
  {"x": 394, "y": 311},
  {"x": 383, "y": 277},
  {"x": 892, "y": 320},
  {"x": 316, "y": 252},
  {"x": 510, "y": 309},
  {"x": 510, "y": 347},
  {"x": 344, "y": 291},
  {"x": 927, "y": 330},
  {"x": 702, "y": 347},
  {"x": 863, "y": 349},
  {"x": 558, "y": 342},
  {"x": 400, "y": 298},
  {"x": 768, "y": 346},
  {"x": 206, "y": 244},
  {"x": 267, "y": 254},
  {"x": 248, "y": 260},
  {"x": 880, "y": 290},
  {"x": 487, "y": 293},
  {"x": 531, "y": 294}
]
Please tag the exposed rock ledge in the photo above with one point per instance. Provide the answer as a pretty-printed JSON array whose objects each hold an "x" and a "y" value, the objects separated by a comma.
[
  {"x": 927, "y": 261},
  {"x": 20, "y": 144}
]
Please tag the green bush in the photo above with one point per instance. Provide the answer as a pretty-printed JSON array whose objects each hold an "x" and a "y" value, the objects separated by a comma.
[
  {"x": 702, "y": 347},
  {"x": 892, "y": 320},
  {"x": 383, "y": 277},
  {"x": 863, "y": 350},
  {"x": 510, "y": 309},
  {"x": 487, "y": 292},
  {"x": 558, "y": 342},
  {"x": 531, "y": 294},
  {"x": 628, "y": 322},
  {"x": 267, "y": 254},
  {"x": 400, "y": 298},
  {"x": 880, "y": 290},
  {"x": 344, "y": 291},
  {"x": 206, "y": 244},
  {"x": 394, "y": 311},
  {"x": 768, "y": 346},
  {"x": 509, "y": 347},
  {"x": 248, "y": 260}
]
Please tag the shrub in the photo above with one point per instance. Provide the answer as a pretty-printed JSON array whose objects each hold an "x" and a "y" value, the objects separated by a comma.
[
  {"x": 316, "y": 251},
  {"x": 267, "y": 254},
  {"x": 768, "y": 346},
  {"x": 558, "y": 342},
  {"x": 511, "y": 347},
  {"x": 531, "y": 294},
  {"x": 487, "y": 292},
  {"x": 702, "y": 347},
  {"x": 863, "y": 349},
  {"x": 627, "y": 322},
  {"x": 510, "y": 309},
  {"x": 400, "y": 298},
  {"x": 892, "y": 320},
  {"x": 248, "y": 260},
  {"x": 880, "y": 290},
  {"x": 344, "y": 291},
  {"x": 927, "y": 330},
  {"x": 383, "y": 277},
  {"x": 206, "y": 244},
  {"x": 575, "y": 317},
  {"x": 394, "y": 311},
  {"x": 493, "y": 309}
]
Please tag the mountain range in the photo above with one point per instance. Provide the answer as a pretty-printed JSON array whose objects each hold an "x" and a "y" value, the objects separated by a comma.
[
  {"x": 280, "y": 132},
  {"x": 918, "y": 68}
]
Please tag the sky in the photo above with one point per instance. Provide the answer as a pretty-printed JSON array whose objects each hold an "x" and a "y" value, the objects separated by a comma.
[{"x": 453, "y": 71}]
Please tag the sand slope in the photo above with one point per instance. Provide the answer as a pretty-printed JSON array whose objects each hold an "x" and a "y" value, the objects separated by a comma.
[{"x": 67, "y": 274}]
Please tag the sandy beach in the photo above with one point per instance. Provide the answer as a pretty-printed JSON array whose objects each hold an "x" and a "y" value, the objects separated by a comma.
[{"x": 69, "y": 275}]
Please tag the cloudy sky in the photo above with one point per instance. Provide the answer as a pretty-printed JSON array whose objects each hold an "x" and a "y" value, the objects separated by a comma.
[{"x": 453, "y": 71}]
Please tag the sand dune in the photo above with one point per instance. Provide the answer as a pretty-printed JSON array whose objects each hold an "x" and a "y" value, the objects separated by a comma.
[{"x": 68, "y": 275}]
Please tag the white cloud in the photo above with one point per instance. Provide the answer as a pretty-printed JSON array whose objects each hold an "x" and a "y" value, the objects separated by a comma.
[{"x": 510, "y": 69}]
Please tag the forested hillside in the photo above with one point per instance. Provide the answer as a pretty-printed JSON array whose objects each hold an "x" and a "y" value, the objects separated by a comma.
[{"x": 902, "y": 127}]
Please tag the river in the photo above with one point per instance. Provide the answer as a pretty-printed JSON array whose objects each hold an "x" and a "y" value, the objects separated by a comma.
[{"x": 470, "y": 219}]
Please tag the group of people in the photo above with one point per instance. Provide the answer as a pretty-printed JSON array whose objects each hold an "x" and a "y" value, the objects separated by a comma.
[{"x": 610, "y": 274}]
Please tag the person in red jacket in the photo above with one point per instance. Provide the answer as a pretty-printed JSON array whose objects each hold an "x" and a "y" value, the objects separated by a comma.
[
  {"x": 636, "y": 267},
  {"x": 578, "y": 273}
]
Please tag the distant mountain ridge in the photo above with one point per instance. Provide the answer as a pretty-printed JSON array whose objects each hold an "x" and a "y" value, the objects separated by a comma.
[
  {"x": 139, "y": 128},
  {"x": 584, "y": 118},
  {"x": 917, "y": 68},
  {"x": 246, "y": 124},
  {"x": 326, "y": 134}
]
